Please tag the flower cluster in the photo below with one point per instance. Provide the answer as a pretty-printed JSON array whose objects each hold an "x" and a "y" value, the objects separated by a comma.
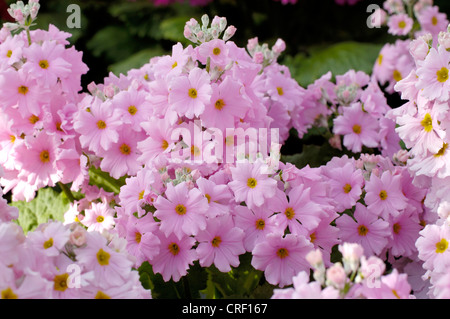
[
  {"x": 353, "y": 110},
  {"x": 40, "y": 79},
  {"x": 422, "y": 124},
  {"x": 59, "y": 261},
  {"x": 405, "y": 18},
  {"x": 356, "y": 277}
]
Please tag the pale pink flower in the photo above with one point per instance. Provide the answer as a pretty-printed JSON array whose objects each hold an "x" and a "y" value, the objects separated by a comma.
[
  {"x": 366, "y": 229},
  {"x": 99, "y": 217},
  {"x": 188, "y": 95},
  {"x": 221, "y": 243},
  {"x": 400, "y": 24},
  {"x": 251, "y": 183},
  {"x": 181, "y": 211},
  {"x": 281, "y": 258},
  {"x": 175, "y": 256},
  {"x": 384, "y": 195}
]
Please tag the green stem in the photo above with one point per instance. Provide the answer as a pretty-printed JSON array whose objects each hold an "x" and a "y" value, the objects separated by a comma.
[
  {"x": 28, "y": 36},
  {"x": 67, "y": 191}
]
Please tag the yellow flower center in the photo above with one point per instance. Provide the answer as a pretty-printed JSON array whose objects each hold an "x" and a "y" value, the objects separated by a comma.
[
  {"x": 23, "y": 90},
  {"x": 125, "y": 149},
  {"x": 260, "y": 224},
  {"x": 395, "y": 294},
  {"x": 402, "y": 24},
  {"x": 100, "y": 219},
  {"x": 174, "y": 65},
  {"x": 138, "y": 237},
  {"x": 60, "y": 282},
  {"x": 141, "y": 195},
  {"x": 164, "y": 145},
  {"x": 103, "y": 257},
  {"x": 383, "y": 195},
  {"x": 216, "y": 241},
  {"x": 397, "y": 75},
  {"x": 290, "y": 213},
  {"x": 33, "y": 119},
  {"x": 347, "y": 188},
  {"x": 44, "y": 64},
  {"x": 396, "y": 228},
  {"x": 282, "y": 253},
  {"x": 280, "y": 91},
  {"x": 219, "y": 104},
  {"x": 180, "y": 209},
  {"x": 312, "y": 237},
  {"x": 101, "y": 295},
  {"x": 9, "y": 53},
  {"x": 12, "y": 138},
  {"x": 356, "y": 129},
  {"x": 195, "y": 150},
  {"x": 434, "y": 21},
  {"x": 216, "y": 51},
  {"x": 427, "y": 123},
  {"x": 101, "y": 125},
  {"x": 208, "y": 197},
  {"x": 442, "y": 75},
  {"x": 9, "y": 294},
  {"x": 441, "y": 246},
  {"x": 48, "y": 244},
  {"x": 441, "y": 152},
  {"x": 362, "y": 230},
  {"x": 44, "y": 156},
  {"x": 251, "y": 182},
  {"x": 132, "y": 109},
  {"x": 174, "y": 249},
  {"x": 380, "y": 59},
  {"x": 192, "y": 93}
]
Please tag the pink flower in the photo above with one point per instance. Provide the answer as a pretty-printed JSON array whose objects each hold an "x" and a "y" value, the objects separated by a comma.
[
  {"x": 384, "y": 195},
  {"x": 133, "y": 106},
  {"x": 181, "y": 211},
  {"x": 433, "y": 21},
  {"x": 175, "y": 256},
  {"x": 366, "y": 229},
  {"x": 49, "y": 238},
  {"x": 256, "y": 223},
  {"x": 393, "y": 286},
  {"x": 218, "y": 195},
  {"x": 346, "y": 185},
  {"x": 303, "y": 289},
  {"x": 99, "y": 217},
  {"x": 143, "y": 243},
  {"x": 19, "y": 88},
  {"x": 299, "y": 213},
  {"x": 400, "y": 24},
  {"x": 188, "y": 95},
  {"x": 37, "y": 158},
  {"x": 216, "y": 50},
  {"x": 121, "y": 158},
  {"x": 228, "y": 105},
  {"x": 107, "y": 264},
  {"x": 405, "y": 231},
  {"x": 97, "y": 125},
  {"x": 46, "y": 62},
  {"x": 357, "y": 127},
  {"x": 220, "y": 243},
  {"x": 251, "y": 183},
  {"x": 433, "y": 75},
  {"x": 433, "y": 247},
  {"x": 281, "y": 258}
]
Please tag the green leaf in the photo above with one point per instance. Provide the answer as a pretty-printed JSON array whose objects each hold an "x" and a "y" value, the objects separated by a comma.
[
  {"x": 112, "y": 42},
  {"x": 47, "y": 205},
  {"x": 135, "y": 61},
  {"x": 338, "y": 58},
  {"x": 172, "y": 28},
  {"x": 104, "y": 180}
]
